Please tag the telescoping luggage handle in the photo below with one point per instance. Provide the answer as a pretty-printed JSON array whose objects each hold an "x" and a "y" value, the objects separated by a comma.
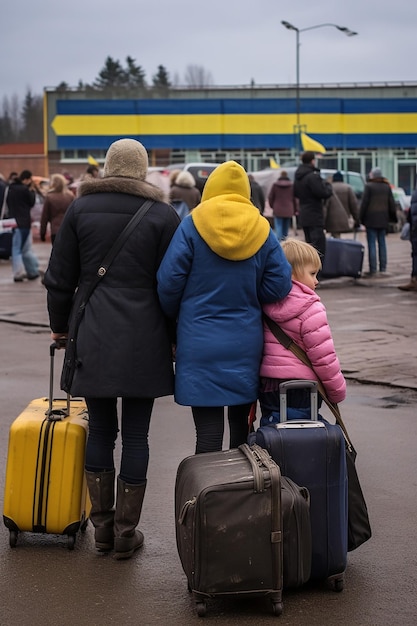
[
  {"x": 55, "y": 414},
  {"x": 298, "y": 384}
]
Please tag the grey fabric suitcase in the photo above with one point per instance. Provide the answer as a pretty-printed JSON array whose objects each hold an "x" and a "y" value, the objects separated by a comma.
[{"x": 229, "y": 525}]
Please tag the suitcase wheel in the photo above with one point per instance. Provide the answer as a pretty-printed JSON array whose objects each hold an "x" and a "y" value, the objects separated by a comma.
[
  {"x": 336, "y": 583},
  {"x": 276, "y": 608},
  {"x": 71, "y": 542},
  {"x": 201, "y": 608},
  {"x": 13, "y": 538}
]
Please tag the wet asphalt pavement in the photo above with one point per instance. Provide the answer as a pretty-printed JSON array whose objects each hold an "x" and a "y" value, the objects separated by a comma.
[{"x": 373, "y": 324}]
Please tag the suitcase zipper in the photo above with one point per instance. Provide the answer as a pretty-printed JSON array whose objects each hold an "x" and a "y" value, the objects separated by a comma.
[
  {"x": 294, "y": 489},
  {"x": 42, "y": 476}
]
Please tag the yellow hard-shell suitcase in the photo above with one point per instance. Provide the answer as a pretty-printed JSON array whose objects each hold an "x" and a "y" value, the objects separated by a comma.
[{"x": 45, "y": 489}]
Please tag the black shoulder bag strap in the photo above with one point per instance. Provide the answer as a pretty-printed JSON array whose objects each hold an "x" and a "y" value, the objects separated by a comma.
[
  {"x": 115, "y": 249},
  {"x": 70, "y": 360}
]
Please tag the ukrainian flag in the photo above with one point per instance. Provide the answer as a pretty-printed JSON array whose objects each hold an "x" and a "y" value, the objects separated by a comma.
[
  {"x": 91, "y": 161},
  {"x": 311, "y": 144}
]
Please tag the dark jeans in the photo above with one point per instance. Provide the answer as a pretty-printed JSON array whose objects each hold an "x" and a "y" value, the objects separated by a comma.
[
  {"x": 315, "y": 235},
  {"x": 376, "y": 236},
  {"x": 103, "y": 430},
  {"x": 209, "y": 426},
  {"x": 282, "y": 227}
]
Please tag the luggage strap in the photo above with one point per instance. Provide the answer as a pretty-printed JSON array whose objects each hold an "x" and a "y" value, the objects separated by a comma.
[
  {"x": 288, "y": 343},
  {"x": 257, "y": 457}
]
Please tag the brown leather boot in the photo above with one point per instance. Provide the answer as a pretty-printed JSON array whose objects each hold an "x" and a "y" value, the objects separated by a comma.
[
  {"x": 128, "y": 509},
  {"x": 101, "y": 489},
  {"x": 411, "y": 286}
]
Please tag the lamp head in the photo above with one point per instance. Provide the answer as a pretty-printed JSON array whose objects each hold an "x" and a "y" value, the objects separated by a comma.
[
  {"x": 288, "y": 25},
  {"x": 347, "y": 31}
]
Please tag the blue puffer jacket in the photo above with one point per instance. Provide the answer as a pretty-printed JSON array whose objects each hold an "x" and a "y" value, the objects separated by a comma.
[{"x": 215, "y": 291}]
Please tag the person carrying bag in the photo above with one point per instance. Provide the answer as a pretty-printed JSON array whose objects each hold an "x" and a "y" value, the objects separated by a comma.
[{"x": 359, "y": 528}]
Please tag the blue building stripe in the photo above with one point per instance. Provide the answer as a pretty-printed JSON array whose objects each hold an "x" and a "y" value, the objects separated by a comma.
[{"x": 239, "y": 142}]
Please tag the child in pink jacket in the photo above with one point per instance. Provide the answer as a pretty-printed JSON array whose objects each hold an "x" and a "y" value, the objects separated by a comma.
[{"x": 302, "y": 316}]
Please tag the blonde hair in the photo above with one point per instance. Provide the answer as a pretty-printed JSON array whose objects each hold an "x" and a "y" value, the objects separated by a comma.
[
  {"x": 185, "y": 179},
  {"x": 173, "y": 176},
  {"x": 58, "y": 183},
  {"x": 299, "y": 254}
]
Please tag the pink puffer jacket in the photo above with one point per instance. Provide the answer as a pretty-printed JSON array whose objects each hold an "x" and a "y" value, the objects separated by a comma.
[{"x": 303, "y": 317}]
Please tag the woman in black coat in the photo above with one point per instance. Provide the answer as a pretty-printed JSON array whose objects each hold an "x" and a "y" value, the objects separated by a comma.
[{"x": 123, "y": 347}]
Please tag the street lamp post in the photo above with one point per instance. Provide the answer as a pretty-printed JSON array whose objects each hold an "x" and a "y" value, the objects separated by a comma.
[{"x": 343, "y": 29}]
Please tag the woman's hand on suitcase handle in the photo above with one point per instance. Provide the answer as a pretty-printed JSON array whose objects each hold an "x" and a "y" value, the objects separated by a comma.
[{"x": 60, "y": 339}]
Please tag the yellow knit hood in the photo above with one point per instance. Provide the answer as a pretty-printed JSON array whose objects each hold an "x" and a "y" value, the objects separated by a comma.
[{"x": 226, "y": 219}]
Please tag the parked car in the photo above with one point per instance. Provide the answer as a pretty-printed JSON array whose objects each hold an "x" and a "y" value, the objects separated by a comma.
[
  {"x": 402, "y": 205},
  {"x": 354, "y": 179},
  {"x": 267, "y": 177}
]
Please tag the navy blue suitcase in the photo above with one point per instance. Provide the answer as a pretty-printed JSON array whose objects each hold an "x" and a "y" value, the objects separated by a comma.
[
  {"x": 312, "y": 453},
  {"x": 344, "y": 257}
]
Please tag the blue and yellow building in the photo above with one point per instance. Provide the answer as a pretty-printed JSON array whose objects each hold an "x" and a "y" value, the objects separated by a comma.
[{"x": 360, "y": 125}]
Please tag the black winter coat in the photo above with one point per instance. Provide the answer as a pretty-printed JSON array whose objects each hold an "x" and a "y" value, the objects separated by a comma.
[
  {"x": 20, "y": 200},
  {"x": 311, "y": 190},
  {"x": 378, "y": 204},
  {"x": 124, "y": 344}
]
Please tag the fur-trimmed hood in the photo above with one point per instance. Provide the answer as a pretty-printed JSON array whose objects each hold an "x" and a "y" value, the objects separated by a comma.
[{"x": 113, "y": 184}]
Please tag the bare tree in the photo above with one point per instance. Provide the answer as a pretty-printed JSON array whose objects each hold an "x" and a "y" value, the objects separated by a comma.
[
  {"x": 176, "y": 81},
  {"x": 197, "y": 76}
]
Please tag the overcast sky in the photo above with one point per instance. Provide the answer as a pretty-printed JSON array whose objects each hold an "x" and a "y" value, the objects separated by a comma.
[{"x": 45, "y": 43}]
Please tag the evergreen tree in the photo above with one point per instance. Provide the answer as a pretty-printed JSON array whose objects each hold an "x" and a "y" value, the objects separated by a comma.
[
  {"x": 161, "y": 78},
  {"x": 111, "y": 77},
  {"x": 6, "y": 127},
  {"x": 135, "y": 75},
  {"x": 32, "y": 119},
  {"x": 161, "y": 83},
  {"x": 11, "y": 122},
  {"x": 63, "y": 87}
]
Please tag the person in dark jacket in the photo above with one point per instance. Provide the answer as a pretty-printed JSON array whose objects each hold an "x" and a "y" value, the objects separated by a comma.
[
  {"x": 311, "y": 190},
  {"x": 283, "y": 204},
  {"x": 222, "y": 264},
  {"x": 412, "y": 220},
  {"x": 257, "y": 196},
  {"x": 123, "y": 346},
  {"x": 20, "y": 199},
  {"x": 347, "y": 197},
  {"x": 377, "y": 210},
  {"x": 3, "y": 187}
]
